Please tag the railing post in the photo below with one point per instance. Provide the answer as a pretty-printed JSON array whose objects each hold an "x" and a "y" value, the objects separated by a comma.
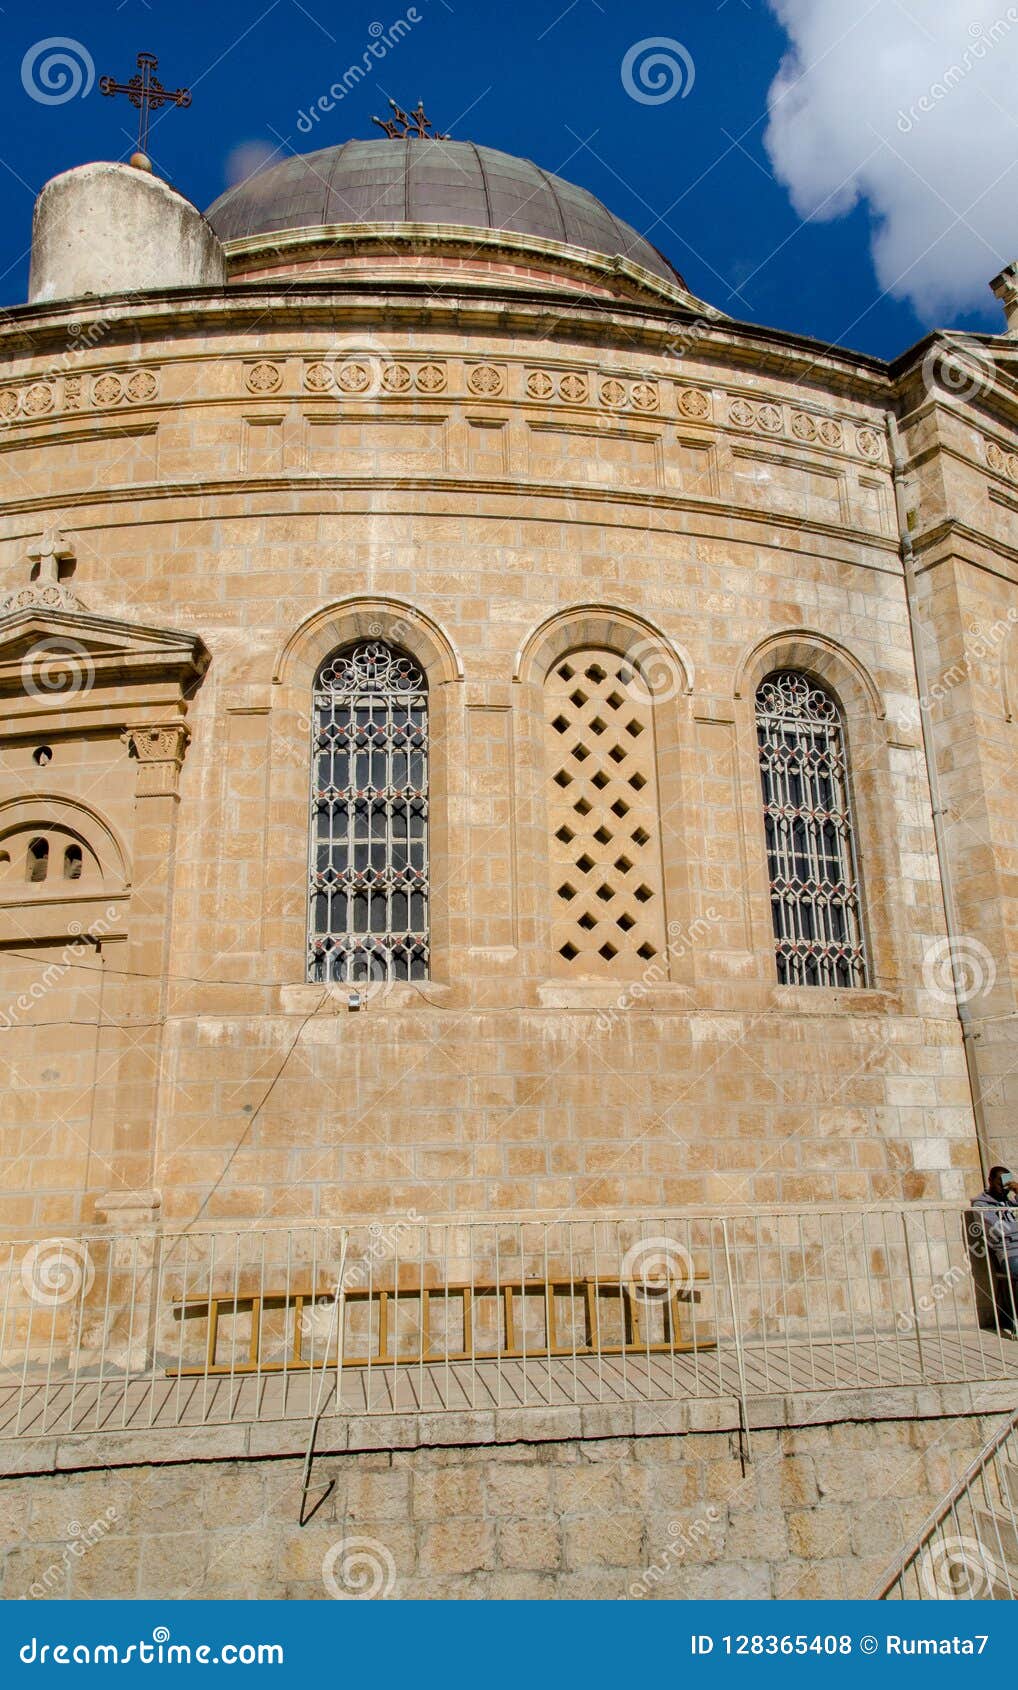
[
  {"x": 911, "y": 1289},
  {"x": 745, "y": 1445}
]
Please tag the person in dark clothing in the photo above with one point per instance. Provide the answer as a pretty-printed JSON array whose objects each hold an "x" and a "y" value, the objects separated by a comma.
[{"x": 998, "y": 1205}]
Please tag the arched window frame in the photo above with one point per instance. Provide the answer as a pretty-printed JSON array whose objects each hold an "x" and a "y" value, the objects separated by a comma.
[
  {"x": 368, "y": 867},
  {"x": 809, "y": 820}
]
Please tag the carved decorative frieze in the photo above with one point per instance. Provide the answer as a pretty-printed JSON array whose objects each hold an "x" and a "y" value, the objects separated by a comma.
[
  {"x": 486, "y": 380},
  {"x": 869, "y": 443},
  {"x": 540, "y": 384},
  {"x": 573, "y": 388},
  {"x": 263, "y": 377},
  {"x": 396, "y": 378},
  {"x": 136, "y": 388},
  {"x": 1001, "y": 462},
  {"x": 431, "y": 378},
  {"x": 693, "y": 403}
]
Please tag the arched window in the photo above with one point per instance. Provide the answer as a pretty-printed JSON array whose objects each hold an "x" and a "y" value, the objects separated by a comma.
[
  {"x": 606, "y": 884},
  {"x": 368, "y": 880},
  {"x": 815, "y": 899},
  {"x": 72, "y": 862},
  {"x": 37, "y": 860}
]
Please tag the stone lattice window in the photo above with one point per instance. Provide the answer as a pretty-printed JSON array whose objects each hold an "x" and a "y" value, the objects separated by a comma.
[
  {"x": 815, "y": 899},
  {"x": 368, "y": 870},
  {"x": 606, "y": 887}
]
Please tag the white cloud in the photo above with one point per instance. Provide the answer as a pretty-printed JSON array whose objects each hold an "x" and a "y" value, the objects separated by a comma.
[{"x": 911, "y": 106}]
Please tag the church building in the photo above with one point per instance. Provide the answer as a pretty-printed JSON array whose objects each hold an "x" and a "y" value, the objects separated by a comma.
[{"x": 507, "y": 774}]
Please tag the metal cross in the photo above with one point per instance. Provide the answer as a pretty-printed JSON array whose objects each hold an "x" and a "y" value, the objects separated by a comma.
[
  {"x": 146, "y": 92},
  {"x": 408, "y": 125}
]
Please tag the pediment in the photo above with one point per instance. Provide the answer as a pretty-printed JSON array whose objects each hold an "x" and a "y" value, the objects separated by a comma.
[{"x": 33, "y": 641}]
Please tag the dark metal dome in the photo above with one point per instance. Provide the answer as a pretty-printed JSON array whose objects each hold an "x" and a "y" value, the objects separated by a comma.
[{"x": 425, "y": 181}]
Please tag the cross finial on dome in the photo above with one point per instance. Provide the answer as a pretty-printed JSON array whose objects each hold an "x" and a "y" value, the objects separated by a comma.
[{"x": 409, "y": 125}]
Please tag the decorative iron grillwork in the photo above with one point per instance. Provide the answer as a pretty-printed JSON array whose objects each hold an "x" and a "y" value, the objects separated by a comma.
[
  {"x": 815, "y": 901},
  {"x": 368, "y": 867}
]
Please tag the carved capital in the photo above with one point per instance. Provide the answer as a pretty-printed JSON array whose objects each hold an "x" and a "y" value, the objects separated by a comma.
[{"x": 159, "y": 750}]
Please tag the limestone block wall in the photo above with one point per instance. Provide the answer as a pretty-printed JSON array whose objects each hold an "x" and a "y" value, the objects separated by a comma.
[
  {"x": 486, "y": 497},
  {"x": 818, "y": 1514}
]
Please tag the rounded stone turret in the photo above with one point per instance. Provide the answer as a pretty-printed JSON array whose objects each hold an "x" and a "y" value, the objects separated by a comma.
[{"x": 111, "y": 228}]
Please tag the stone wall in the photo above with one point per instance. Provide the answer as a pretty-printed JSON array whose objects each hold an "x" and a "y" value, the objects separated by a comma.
[
  {"x": 725, "y": 510},
  {"x": 819, "y": 1513}
]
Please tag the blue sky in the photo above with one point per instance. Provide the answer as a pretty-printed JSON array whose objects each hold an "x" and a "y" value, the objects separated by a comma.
[{"x": 544, "y": 78}]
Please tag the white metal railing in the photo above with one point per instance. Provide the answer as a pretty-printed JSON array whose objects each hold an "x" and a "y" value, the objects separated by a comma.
[
  {"x": 118, "y": 1332},
  {"x": 968, "y": 1548}
]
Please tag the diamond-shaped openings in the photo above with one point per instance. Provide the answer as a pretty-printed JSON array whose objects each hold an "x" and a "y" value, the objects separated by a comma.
[{"x": 610, "y": 761}]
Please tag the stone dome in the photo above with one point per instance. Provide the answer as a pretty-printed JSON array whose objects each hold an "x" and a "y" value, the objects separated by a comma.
[{"x": 425, "y": 181}]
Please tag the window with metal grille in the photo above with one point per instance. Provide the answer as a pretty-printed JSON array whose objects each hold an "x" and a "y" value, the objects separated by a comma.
[
  {"x": 368, "y": 866},
  {"x": 815, "y": 901}
]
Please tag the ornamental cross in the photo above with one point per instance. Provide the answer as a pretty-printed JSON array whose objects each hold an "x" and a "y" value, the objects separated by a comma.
[
  {"x": 409, "y": 125},
  {"x": 146, "y": 92}
]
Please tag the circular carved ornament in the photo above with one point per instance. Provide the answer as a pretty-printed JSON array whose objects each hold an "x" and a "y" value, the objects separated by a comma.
[
  {"x": 38, "y": 398},
  {"x": 1012, "y": 465},
  {"x": 644, "y": 396},
  {"x": 353, "y": 378},
  {"x": 107, "y": 391},
  {"x": 868, "y": 442},
  {"x": 395, "y": 378},
  {"x": 742, "y": 414},
  {"x": 573, "y": 387},
  {"x": 485, "y": 379},
  {"x": 142, "y": 385},
  {"x": 318, "y": 377},
  {"x": 612, "y": 392},
  {"x": 769, "y": 417},
  {"x": 431, "y": 378},
  {"x": 539, "y": 384},
  {"x": 693, "y": 403},
  {"x": 803, "y": 426},
  {"x": 830, "y": 431},
  {"x": 9, "y": 402},
  {"x": 263, "y": 378}
]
